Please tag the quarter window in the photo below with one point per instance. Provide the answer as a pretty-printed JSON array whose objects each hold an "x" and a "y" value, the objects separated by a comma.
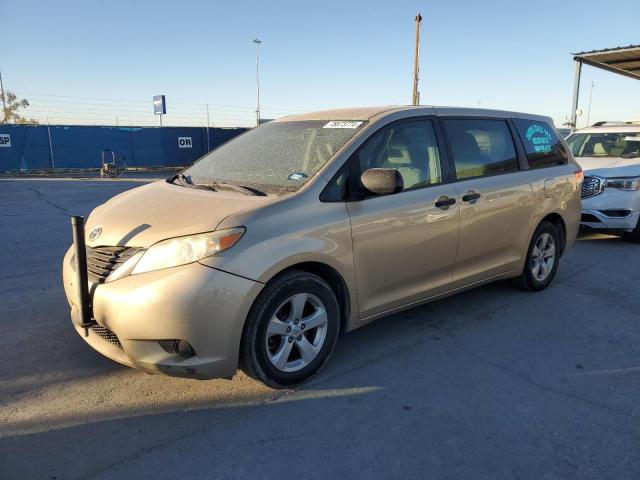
[
  {"x": 409, "y": 147},
  {"x": 542, "y": 145},
  {"x": 481, "y": 147}
]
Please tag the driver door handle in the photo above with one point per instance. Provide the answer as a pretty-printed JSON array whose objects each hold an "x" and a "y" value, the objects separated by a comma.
[{"x": 445, "y": 202}]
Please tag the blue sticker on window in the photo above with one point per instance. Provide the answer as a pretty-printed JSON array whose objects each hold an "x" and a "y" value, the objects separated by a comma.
[
  {"x": 297, "y": 176},
  {"x": 540, "y": 138}
]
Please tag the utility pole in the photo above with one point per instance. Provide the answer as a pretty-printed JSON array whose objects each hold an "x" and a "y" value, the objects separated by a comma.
[
  {"x": 257, "y": 42},
  {"x": 4, "y": 103},
  {"x": 416, "y": 65}
]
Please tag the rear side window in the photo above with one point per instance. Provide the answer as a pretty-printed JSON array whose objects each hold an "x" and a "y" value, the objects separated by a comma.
[
  {"x": 542, "y": 145},
  {"x": 481, "y": 147}
]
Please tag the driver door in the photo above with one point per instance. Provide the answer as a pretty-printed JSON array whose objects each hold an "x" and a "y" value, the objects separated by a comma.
[{"x": 404, "y": 244}]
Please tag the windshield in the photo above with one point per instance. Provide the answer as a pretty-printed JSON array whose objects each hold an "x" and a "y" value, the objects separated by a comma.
[
  {"x": 619, "y": 145},
  {"x": 275, "y": 157}
]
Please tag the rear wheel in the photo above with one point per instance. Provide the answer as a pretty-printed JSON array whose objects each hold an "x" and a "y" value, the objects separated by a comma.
[
  {"x": 291, "y": 330},
  {"x": 542, "y": 258}
]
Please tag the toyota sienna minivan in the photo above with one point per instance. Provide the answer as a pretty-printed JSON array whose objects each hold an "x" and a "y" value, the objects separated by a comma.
[{"x": 263, "y": 251}]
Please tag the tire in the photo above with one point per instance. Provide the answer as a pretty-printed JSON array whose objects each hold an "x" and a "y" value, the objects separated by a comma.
[
  {"x": 538, "y": 272},
  {"x": 634, "y": 235},
  {"x": 285, "y": 341}
]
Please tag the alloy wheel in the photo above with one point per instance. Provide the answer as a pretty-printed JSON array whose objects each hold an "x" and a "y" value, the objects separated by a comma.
[
  {"x": 543, "y": 257},
  {"x": 296, "y": 332}
]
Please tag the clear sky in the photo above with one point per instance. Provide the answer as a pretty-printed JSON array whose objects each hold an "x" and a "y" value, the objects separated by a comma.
[{"x": 506, "y": 54}]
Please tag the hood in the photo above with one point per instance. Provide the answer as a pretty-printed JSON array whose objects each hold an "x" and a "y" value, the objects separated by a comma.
[
  {"x": 145, "y": 215},
  {"x": 610, "y": 166}
]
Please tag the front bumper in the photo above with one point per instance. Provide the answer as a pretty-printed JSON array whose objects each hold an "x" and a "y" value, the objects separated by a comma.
[
  {"x": 611, "y": 210},
  {"x": 199, "y": 304}
]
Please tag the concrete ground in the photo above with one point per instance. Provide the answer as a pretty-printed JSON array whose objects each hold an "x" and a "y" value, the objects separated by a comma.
[{"x": 492, "y": 383}]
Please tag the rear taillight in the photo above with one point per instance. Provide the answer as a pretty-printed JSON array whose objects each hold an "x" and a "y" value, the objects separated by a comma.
[{"x": 579, "y": 175}]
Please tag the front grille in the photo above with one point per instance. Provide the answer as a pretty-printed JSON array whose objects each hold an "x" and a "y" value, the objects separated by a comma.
[
  {"x": 107, "y": 335},
  {"x": 592, "y": 186},
  {"x": 101, "y": 261}
]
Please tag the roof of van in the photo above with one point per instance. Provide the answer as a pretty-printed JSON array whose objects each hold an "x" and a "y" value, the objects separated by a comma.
[{"x": 366, "y": 113}]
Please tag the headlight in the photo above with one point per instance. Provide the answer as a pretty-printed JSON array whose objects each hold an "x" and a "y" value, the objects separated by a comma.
[
  {"x": 624, "y": 183},
  {"x": 183, "y": 250}
]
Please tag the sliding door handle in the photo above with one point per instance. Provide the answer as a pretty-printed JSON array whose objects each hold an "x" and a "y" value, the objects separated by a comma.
[{"x": 471, "y": 196}]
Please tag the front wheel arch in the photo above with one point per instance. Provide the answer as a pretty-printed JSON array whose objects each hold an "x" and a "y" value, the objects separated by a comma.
[{"x": 335, "y": 281}]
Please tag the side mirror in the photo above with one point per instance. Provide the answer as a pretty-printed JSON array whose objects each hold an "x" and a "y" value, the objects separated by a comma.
[{"x": 382, "y": 181}]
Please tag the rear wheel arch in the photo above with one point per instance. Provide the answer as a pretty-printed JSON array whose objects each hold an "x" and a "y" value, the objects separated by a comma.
[{"x": 556, "y": 220}]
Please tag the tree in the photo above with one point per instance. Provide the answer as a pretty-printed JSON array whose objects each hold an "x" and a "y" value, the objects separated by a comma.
[{"x": 12, "y": 108}]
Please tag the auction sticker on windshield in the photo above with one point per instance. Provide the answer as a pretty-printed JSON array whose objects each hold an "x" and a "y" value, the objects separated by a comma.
[{"x": 342, "y": 124}]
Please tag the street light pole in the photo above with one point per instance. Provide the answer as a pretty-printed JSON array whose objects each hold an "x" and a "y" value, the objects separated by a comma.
[{"x": 257, "y": 42}]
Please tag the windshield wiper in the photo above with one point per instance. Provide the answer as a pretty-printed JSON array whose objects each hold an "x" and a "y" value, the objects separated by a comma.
[
  {"x": 181, "y": 177},
  {"x": 214, "y": 186},
  {"x": 238, "y": 188}
]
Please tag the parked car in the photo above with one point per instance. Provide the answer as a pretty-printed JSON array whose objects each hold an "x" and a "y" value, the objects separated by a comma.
[
  {"x": 609, "y": 153},
  {"x": 267, "y": 248}
]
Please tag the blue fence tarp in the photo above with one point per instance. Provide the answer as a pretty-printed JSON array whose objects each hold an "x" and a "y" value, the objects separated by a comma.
[{"x": 82, "y": 146}]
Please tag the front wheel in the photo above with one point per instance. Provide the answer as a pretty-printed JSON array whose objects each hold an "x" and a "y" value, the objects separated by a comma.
[
  {"x": 291, "y": 330},
  {"x": 542, "y": 258}
]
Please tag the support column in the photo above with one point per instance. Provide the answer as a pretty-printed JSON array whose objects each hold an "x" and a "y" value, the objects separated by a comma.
[{"x": 576, "y": 94}]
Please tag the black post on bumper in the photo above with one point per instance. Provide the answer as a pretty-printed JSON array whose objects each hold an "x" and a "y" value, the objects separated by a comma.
[{"x": 80, "y": 255}]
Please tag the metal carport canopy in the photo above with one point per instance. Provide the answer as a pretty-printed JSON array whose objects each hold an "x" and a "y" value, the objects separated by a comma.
[{"x": 621, "y": 60}]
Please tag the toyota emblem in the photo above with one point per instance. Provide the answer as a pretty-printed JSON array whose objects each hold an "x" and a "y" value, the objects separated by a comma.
[{"x": 95, "y": 233}]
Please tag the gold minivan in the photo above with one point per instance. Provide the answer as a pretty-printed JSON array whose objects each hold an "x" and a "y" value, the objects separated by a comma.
[{"x": 263, "y": 251}]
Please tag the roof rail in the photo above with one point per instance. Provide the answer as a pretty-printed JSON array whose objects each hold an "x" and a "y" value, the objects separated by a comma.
[{"x": 616, "y": 122}]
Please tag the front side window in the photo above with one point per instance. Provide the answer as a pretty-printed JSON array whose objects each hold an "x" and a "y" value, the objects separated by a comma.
[
  {"x": 275, "y": 157},
  {"x": 409, "y": 147},
  {"x": 615, "y": 145},
  {"x": 542, "y": 145},
  {"x": 481, "y": 147}
]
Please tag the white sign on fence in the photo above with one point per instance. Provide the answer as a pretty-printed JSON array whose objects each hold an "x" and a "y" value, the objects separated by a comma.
[
  {"x": 5, "y": 140},
  {"x": 184, "y": 142}
]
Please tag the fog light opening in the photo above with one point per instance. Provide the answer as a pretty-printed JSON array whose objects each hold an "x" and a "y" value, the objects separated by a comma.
[
  {"x": 183, "y": 348},
  {"x": 177, "y": 347}
]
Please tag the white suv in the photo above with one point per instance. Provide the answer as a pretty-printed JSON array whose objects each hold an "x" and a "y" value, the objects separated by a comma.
[{"x": 609, "y": 154}]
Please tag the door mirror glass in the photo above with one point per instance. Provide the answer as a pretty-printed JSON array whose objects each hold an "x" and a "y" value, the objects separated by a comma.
[{"x": 382, "y": 181}]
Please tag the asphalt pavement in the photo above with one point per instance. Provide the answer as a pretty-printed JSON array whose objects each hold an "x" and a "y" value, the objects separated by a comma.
[{"x": 493, "y": 383}]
